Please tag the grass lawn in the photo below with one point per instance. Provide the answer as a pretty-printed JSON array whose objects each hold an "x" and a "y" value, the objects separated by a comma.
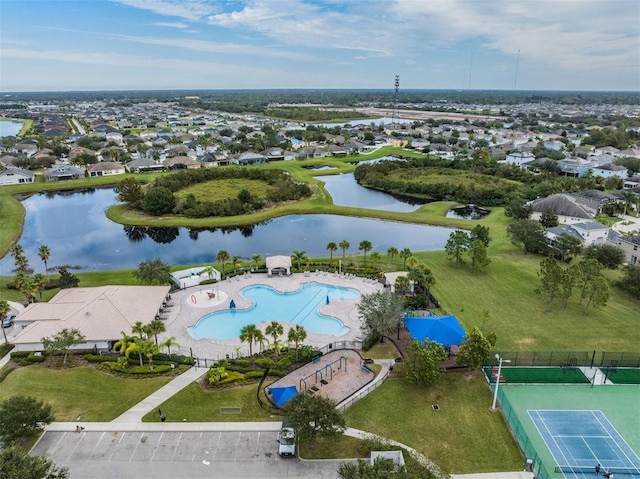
[
  {"x": 81, "y": 391},
  {"x": 463, "y": 436},
  {"x": 224, "y": 189},
  {"x": 342, "y": 447},
  {"x": 197, "y": 405},
  {"x": 382, "y": 351},
  {"x": 518, "y": 317}
]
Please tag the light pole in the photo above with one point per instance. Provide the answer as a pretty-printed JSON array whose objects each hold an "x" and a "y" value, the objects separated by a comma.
[
  {"x": 339, "y": 266},
  {"x": 495, "y": 393}
]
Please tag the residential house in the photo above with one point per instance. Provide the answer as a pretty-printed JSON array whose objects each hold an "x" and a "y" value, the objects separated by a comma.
[
  {"x": 105, "y": 168},
  {"x": 211, "y": 160},
  {"x": 595, "y": 199},
  {"x": 63, "y": 173},
  {"x": 610, "y": 170},
  {"x": 142, "y": 165},
  {"x": 575, "y": 167},
  {"x": 249, "y": 158},
  {"x": 181, "y": 163},
  {"x": 591, "y": 232},
  {"x": 16, "y": 176},
  {"x": 629, "y": 244},
  {"x": 518, "y": 158},
  {"x": 564, "y": 206}
]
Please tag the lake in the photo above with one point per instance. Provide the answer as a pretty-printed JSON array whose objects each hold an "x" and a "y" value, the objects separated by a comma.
[
  {"x": 74, "y": 227},
  {"x": 9, "y": 128}
]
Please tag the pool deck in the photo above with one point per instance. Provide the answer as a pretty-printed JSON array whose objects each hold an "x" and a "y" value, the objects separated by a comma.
[{"x": 191, "y": 304}]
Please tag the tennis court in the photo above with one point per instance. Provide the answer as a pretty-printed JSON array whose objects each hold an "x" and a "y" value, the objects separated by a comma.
[
  {"x": 579, "y": 440},
  {"x": 561, "y": 428}
]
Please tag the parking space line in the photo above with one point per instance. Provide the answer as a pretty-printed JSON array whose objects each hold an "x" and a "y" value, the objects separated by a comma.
[
  {"x": 95, "y": 447},
  {"x": 59, "y": 441},
  {"x": 195, "y": 450},
  {"x": 215, "y": 453},
  {"x": 116, "y": 447},
  {"x": 156, "y": 447},
  {"x": 136, "y": 448},
  {"x": 177, "y": 447},
  {"x": 77, "y": 444},
  {"x": 237, "y": 448}
]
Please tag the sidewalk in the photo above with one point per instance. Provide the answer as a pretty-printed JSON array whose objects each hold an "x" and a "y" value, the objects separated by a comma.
[{"x": 135, "y": 414}]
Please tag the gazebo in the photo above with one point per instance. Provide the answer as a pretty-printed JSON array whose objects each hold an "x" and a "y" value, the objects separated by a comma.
[{"x": 278, "y": 265}]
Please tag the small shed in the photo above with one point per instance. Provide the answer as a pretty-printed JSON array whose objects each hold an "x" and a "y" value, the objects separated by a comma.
[{"x": 278, "y": 265}]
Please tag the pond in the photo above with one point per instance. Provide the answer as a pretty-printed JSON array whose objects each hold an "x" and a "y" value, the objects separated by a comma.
[
  {"x": 9, "y": 128},
  {"x": 345, "y": 191},
  {"x": 468, "y": 212},
  {"x": 74, "y": 227}
]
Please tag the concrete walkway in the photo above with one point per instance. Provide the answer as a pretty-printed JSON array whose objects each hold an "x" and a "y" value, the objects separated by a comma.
[{"x": 136, "y": 413}]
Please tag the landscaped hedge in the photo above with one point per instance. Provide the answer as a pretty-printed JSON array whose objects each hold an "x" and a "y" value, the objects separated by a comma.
[
  {"x": 6, "y": 370},
  {"x": 371, "y": 341},
  {"x": 136, "y": 370},
  {"x": 25, "y": 358},
  {"x": 5, "y": 348}
]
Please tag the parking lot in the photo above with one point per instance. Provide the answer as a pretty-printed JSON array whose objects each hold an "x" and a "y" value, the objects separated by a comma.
[{"x": 176, "y": 454}]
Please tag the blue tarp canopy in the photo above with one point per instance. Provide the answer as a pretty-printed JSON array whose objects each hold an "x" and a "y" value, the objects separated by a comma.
[
  {"x": 445, "y": 330},
  {"x": 282, "y": 395}
]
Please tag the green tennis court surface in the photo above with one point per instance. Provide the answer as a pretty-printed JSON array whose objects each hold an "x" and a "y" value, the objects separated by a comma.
[
  {"x": 538, "y": 375},
  {"x": 620, "y": 404}
]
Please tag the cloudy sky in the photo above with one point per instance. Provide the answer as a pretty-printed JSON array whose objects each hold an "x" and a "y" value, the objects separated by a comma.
[{"x": 48, "y": 45}]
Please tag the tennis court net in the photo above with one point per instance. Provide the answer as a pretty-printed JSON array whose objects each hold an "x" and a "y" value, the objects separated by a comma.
[{"x": 615, "y": 470}]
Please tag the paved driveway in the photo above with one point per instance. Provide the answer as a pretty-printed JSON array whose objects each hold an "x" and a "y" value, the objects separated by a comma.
[{"x": 176, "y": 454}]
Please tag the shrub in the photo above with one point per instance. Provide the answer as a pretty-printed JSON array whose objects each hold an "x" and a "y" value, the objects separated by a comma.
[
  {"x": 25, "y": 358},
  {"x": 5, "y": 371},
  {"x": 371, "y": 341},
  {"x": 265, "y": 363},
  {"x": 95, "y": 358},
  {"x": 232, "y": 377},
  {"x": 254, "y": 374},
  {"x": 174, "y": 358},
  {"x": 5, "y": 348},
  {"x": 136, "y": 370}
]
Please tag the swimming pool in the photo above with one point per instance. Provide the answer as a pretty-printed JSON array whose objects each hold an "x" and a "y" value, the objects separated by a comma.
[{"x": 298, "y": 307}]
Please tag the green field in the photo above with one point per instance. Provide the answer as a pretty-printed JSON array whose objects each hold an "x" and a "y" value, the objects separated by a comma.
[
  {"x": 224, "y": 189},
  {"x": 83, "y": 391},
  {"x": 456, "y": 436},
  {"x": 194, "y": 404}
]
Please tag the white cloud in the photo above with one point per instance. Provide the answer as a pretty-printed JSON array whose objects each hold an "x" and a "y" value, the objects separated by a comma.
[
  {"x": 193, "y": 10},
  {"x": 171, "y": 25}
]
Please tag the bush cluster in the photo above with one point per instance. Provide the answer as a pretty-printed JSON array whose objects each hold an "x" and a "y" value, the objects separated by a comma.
[{"x": 25, "y": 358}]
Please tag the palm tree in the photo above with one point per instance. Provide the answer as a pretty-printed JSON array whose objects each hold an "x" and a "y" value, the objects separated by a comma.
[
  {"x": 411, "y": 262},
  {"x": 39, "y": 282},
  {"x": 139, "y": 329},
  {"x": 364, "y": 247},
  {"x": 44, "y": 254},
  {"x": 126, "y": 345},
  {"x": 4, "y": 310},
  {"x": 260, "y": 339},
  {"x": 392, "y": 251},
  {"x": 376, "y": 258},
  {"x": 402, "y": 284},
  {"x": 222, "y": 257},
  {"x": 297, "y": 335},
  {"x": 256, "y": 258},
  {"x": 148, "y": 349},
  {"x": 235, "y": 263},
  {"x": 344, "y": 245},
  {"x": 169, "y": 343},
  {"x": 154, "y": 328},
  {"x": 331, "y": 247},
  {"x": 249, "y": 334},
  {"x": 628, "y": 197},
  {"x": 405, "y": 254},
  {"x": 209, "y": 271},
  {"x": 275, "y": 330},
  {"x": 299, "y": 257}
]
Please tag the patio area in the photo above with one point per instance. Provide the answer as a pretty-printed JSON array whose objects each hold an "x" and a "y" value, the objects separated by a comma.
[{"x": 189, "y": 305}]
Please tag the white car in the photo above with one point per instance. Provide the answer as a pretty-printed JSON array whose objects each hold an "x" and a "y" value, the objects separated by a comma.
[{"x": 287, "y": 441}]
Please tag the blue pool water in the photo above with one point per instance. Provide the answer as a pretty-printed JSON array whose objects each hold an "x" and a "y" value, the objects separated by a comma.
[{"x": 299, "y": 307}]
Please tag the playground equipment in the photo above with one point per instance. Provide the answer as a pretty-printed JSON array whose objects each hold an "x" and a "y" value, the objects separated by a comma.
[{"x": 323, "y": 375}]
